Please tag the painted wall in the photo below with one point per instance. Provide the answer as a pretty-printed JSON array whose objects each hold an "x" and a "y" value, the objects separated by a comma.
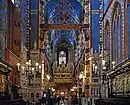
[
  {"x": 105, "y": 5},
  {"x": 2, "y": 27},
  {"x": 23, "y": 22},
  {"x": 34, "y": 22},
  {"x": 13, "y": 28},
  {"x": 109, "y": 17},
  {"x": 95, "y": 25}
]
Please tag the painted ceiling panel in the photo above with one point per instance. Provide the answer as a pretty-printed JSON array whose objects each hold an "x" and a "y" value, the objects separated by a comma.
[
  {"x": 50, "y": 6},
  {"x": 64, "y": 12},
  {"x": 69, "y": 39}
]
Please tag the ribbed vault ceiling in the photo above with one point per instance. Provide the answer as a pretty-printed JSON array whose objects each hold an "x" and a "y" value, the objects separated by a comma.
[{"x": 64, "y": 12}]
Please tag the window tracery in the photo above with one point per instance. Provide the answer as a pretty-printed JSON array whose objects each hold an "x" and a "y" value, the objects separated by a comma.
[
  {"x": 128, "y": 6},
  {"x": 62, "y": 57},
  {"x": 107, "y": 37},
  {"x": 117, "y": 34}
]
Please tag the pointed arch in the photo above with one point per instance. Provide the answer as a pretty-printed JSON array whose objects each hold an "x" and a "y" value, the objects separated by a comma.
[
  {"x": 64, "y": 12},
  {"x": 116, "y": 32},
  {"x": 127, "y": 29}
]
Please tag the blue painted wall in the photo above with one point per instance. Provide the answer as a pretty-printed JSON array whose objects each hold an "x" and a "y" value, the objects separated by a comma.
[
  {"x": 34, "y": 22},
  {"x": 129, "y": 29},
  {"x": 23, "y": 21},
  {"x": 95, "y": 25}
]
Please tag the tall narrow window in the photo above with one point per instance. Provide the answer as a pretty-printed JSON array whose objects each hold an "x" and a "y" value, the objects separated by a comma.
[
  {"x": 117, "y": 54},
  {"x": 129, "y": 29},
  {"x": 107, "y": 37},
  {"x": 62, "y": 57},
  {"x": 114, "y": 40},
  {"x": 119, "y": 39}
]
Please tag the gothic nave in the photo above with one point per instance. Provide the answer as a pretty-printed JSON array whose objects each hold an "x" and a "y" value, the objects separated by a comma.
[{"x": 64, "y": 52}]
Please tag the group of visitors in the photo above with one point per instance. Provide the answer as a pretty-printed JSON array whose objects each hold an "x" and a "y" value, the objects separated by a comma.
[{"x": 60, "y": 100}]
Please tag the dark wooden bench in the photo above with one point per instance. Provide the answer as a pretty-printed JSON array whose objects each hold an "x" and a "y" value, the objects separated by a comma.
[
  {"x": 12, "y": 102},
  {"x": 113, "y": 101}
]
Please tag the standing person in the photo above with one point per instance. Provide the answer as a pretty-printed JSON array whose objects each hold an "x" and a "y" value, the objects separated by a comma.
[
  {"x": 33, "y": 101},
  {"x": 72, "y": 100},
  {"x": 28, "y": 103},
  {"x": 62, "y": 101},
  {"x": 69, "y": 100},
  {"x": 76, "y": 100},
  {"x": 43, "y": 99},
  {"x": 51, "y": 100},
  {"x": 66, "y": 101},
  {"x": 58, "y": 100},
  {"x": 54, "y": 100}
]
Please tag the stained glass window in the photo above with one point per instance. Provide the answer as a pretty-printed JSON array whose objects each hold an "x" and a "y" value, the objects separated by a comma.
[
  {"x": 33, "y": 16},
  {"x": 107, "y": 37},
  {"x": 114, "y": 40},
  {"x": 62, "y": 57},
  {"x": 129, "y": 29},
  {"x": 105, "y": 5},
  {"x": 119, "y": 39},
  {"x": 117, "y": 34}
]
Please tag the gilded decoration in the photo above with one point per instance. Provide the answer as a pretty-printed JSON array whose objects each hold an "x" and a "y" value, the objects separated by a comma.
[
  {"x": 121, "y": 84},
  {"x": 63, "y": 74},
  {"x": 2, "y": 83},
  {"x": 5, "y": 68}
]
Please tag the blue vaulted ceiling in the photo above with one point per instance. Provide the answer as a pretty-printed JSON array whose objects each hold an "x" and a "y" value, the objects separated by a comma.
[{"x": 64, "y": 12}]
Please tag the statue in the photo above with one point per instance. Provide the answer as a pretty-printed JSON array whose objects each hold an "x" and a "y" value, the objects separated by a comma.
[{"x": 63, "y": 67}]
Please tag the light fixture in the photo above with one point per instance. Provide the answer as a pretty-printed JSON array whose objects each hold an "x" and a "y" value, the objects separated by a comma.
[
  {"x": 113, "y": 62},
  {"x": 62, "y": 93},
  {"x": 100, "y": 55},
  {"x": 32, "y": 69},
  {"x": 40, "y": 67},
  {"x": 23, "y": 67},
  {"x": 42, "y": 64},
  {"x": 27, "y": 63},
  {"x": 96, "y": 67},
  {"x": 103, "y": 62},
  {"x": 72, "y": 89},
  {"x": 89, "y": 58},
  {"x": 81, "y": 76},
  {"x": 22, "y": 70},
  {"x": 93, "y": 65},
  {"x": 18, "y": 64},
  {"x": 52, "y": 89},
  {"x": 104, "y": 67},
  {"x": 37, "y": 64},
  {"x": 48, "y": 77}
]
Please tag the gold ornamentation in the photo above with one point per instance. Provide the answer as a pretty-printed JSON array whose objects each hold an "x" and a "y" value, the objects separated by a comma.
[{"x": 63, "y": 68}]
